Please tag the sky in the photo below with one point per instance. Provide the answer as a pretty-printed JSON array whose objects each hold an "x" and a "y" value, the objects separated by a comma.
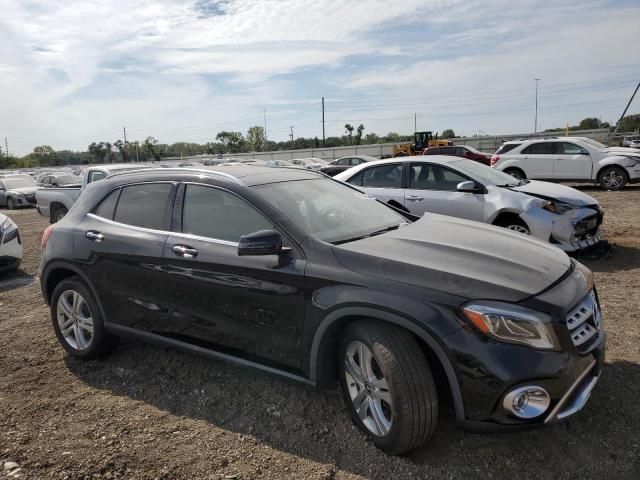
[{"x": 77, "y": 71}]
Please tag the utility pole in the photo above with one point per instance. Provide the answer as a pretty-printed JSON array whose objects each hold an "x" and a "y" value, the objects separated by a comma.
[
  {"x": 6, "y": 147},
  {"x": 415, "y": 122},
  {"x": 124, "y": 131},
  {"x": 535, "y": 122},
  {"x": 291, "y": 134},
  {"x": 264, "y": 112},
  {"x": 323, "y": 121},
  {"x": 623, "y": 113}
]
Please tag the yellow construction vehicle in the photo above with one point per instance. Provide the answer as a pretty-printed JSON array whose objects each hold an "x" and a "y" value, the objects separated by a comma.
[{"x": 421, "y": 140}]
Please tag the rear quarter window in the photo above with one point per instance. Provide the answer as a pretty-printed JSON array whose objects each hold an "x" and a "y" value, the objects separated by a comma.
[
  {"x": 507, "y": 147},
  {"x": 107, "y": 206}
]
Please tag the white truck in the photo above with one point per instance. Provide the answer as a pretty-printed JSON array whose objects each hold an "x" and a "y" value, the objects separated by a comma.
[
  {"x": 569, "y": 159},
  {"x": 54, "y": 203}
]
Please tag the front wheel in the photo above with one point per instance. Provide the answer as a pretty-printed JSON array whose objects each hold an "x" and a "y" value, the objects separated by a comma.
[
  {"x": 387, "y": 386},
  {"x": 612, "y": 178},
  {"x": 514, "y": 223}
]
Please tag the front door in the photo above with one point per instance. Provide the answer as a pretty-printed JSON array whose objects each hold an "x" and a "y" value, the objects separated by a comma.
[
  {"x": 249, "y": 305},
  {"x": 571, "y": 162},
  {"x": 433, "y": 188}
]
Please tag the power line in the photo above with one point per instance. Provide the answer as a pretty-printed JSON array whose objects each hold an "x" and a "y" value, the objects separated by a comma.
[{"x": 627, "y": 107}]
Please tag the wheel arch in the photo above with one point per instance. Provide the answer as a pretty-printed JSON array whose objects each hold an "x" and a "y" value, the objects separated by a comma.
[
  {"x": 53, "y": 207},
  {"x": 324, "y": 344},
  {"x": 505, "y": 212},
  {"x": 611, "y": 162}
]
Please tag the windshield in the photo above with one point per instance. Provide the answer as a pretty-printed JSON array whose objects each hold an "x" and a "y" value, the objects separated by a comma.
[
  {"x": 483, "y": 174},
  {"x": 10, "y": 183},
  {"x": 593, "y": 143},
  {"x": 328, "y": 210},
  {"x": 68, "y": 180}
]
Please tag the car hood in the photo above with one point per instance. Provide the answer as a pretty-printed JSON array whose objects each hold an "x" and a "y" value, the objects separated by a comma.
[
  {"x": 623, "y": 151},
  {"x": 469, "y": 259},
  {"x": 555, "y": 191},
  {"x": 24, "y": 190}
]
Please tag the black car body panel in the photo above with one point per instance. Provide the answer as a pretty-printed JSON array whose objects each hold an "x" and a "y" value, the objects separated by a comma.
[{"x": 280, "y": 313}]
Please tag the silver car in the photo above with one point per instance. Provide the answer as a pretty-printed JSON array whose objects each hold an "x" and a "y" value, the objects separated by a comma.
[
  {"x": 463, "y": 188},
  {"x": 10, "y": 245}
]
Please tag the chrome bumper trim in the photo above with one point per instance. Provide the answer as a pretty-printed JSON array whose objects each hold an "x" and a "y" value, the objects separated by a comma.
[{"x": 579, "y": 401}]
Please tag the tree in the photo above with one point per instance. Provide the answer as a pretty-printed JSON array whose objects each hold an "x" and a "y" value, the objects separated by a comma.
[
  {"x": 359, "y": 134},
  {"x": 348, "y": 128},
  {"x": 630, "y": 123},
  {"x": 122, "y": 148},
  {"x": 151, "y": 147},
  {"x": 590, "y": 123},
  {"x": 256, "y": 138},
  {"x": 448, "y": 133},
  {"x": 98, "y": 151},
  {"x": 45, "y": 155},
  {"x": 233, "y": 141},
  {"x": 371, "y": 138}
]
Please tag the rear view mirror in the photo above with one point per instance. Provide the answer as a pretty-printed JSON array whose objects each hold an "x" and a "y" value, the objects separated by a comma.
[
  {"x": 468, "y": 186},
  {"x": 263, "y": 242}
]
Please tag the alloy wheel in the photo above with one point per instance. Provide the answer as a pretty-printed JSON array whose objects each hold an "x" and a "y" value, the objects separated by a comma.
[
  {"x": 75, "y": 320},
  {"x": 368, "y": 389},
  {"x": 519, "y": 229},
  {"x": 613, "y": 179}
]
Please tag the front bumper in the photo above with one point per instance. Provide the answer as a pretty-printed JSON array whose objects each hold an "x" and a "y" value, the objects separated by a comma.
[
  {"x": 26, "y": 201},
  {"x": 572, "y": 231}
]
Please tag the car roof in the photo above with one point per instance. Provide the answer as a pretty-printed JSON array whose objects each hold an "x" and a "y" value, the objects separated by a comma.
[
  {"x": 241, "y": 174},
  {"x": 359, "y": 156}
]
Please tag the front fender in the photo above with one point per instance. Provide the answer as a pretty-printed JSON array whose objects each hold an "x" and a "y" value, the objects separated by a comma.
[{"x": 396, "y": 318}]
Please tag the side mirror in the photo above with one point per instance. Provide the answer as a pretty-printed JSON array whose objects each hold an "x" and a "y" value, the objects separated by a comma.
[
  {"x": 468, "y": 186},
  {"x": 263, "y": 242}
]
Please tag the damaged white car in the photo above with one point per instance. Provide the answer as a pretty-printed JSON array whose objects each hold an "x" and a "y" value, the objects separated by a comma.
[
  {"x": 462, "y": 188},
  {"x": 10, "y": 245}
]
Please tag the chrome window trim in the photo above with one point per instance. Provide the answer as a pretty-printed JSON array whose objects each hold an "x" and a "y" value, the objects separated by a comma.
[
  {"x": 203, "y": 239},
  {"x": 126, "y": 225}
]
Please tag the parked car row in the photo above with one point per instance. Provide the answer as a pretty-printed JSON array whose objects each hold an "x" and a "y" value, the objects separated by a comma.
[{"x": 314, "y": 279}]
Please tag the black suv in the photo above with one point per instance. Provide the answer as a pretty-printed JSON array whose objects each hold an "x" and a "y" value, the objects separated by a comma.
[{"x": 293, "y": 273}]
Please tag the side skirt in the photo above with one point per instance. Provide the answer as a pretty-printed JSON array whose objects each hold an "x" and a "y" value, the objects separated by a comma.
[{"x": 162, "y": 341}]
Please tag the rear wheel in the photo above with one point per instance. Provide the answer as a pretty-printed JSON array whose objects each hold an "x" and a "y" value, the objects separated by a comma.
[
  {"x": 77, "y": 321},
  {"x": 387, "y": 386},
  {"x": 516, "y": 173},
  {"x": 11, "y": 203},
  {"x": 612, "y": 178},
  {"x": 58, "y": 214}
]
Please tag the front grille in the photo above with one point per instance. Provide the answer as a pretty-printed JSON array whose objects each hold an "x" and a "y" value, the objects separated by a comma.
[
  {"x": 584, "y": 322},
  {"x": 31, "y": 198}
]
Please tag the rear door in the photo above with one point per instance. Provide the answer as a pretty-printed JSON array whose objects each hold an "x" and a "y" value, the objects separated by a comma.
[
  {"x": 382, "y": 181},
  {"x": 538, "y": 160},
  {"x": 571, "y": 162},
  {"x": 433, "y": 188},
  {"x": 250, "y": 304},
  {"x": 121, "y": 244}
]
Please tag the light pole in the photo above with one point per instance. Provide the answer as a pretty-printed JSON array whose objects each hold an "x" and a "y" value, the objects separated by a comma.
[{"x": 535, "y": 122}]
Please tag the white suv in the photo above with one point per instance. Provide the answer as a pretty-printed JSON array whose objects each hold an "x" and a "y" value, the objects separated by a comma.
[{"x": 569, "y": 159}]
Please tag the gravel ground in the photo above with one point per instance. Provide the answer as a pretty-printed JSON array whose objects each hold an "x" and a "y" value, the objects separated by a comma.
[{"x": 146, "y": 412}]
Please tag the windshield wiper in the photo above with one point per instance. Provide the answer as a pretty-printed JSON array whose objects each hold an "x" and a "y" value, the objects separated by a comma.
[{"x": 368, "y": 235}]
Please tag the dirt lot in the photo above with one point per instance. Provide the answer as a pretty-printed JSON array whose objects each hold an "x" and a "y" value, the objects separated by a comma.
[{"x": 146, "y": 412}]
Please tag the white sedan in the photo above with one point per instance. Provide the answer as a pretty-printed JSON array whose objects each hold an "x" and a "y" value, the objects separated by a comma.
[
  {"x": 463, "y": 188},
  {"x": 10, "y": 244}
]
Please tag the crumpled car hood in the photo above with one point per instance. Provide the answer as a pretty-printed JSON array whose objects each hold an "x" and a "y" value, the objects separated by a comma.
[
  {"x": 461, "y": 257},
  {"x": 556, "y": 191}
]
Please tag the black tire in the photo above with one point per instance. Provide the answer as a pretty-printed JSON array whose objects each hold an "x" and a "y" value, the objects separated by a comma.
[
  {"x": 101, "y": 342},
  {"x": 411, "y": 388},
  {"x": 11, "y": 203},
  {"x": 513, "y": 222},
  {"x": 58, "y": 214},
  {"x": 612, "y": 178},
  {"x": 516, "y": 173}
]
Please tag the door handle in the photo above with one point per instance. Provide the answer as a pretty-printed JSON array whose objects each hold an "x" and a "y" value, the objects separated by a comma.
[
  {"x": 184, "y": 251},
  {"x": 413, "y": 198},
  {"x": 94, "y": 236}
]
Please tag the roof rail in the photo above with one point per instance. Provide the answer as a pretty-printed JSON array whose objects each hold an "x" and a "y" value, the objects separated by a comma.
[{"x": 178, "y": 169}]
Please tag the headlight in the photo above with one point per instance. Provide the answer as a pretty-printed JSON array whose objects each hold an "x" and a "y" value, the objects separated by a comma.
[
  {"x": 510, "y": 323},
  {"x": 558, "y": 208}
]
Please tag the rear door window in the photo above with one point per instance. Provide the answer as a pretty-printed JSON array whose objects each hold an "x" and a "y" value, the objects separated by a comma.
[
  {"x": 144, "y": 205},
  {"x": 540, "y": 148},
  {"x": 383, "y": 176},
  {"x": 217, "y": 214}
]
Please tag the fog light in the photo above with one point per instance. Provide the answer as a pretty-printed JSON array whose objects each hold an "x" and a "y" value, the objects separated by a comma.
[{"x": 527, "y": 402}]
